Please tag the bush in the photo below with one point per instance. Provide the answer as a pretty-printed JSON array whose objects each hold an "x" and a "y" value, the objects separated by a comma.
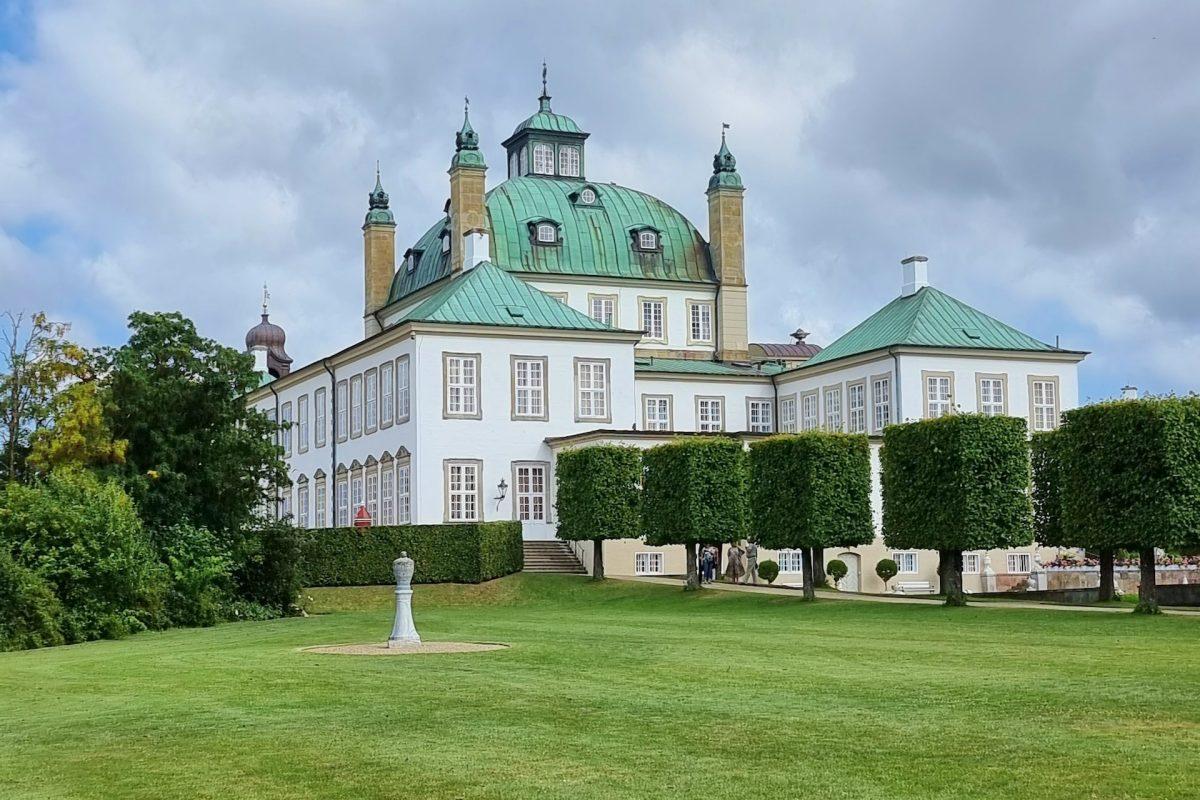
[
  {"x": 886, "y": 569},
  {"x": 768, "y": 570},
  {"x": 468, "y": 553},
  {"x": 269, "y": 567},
  {"x": 598, "y": 497},
  {"x": 837, "y": 570},
  {"x": 30, "y": 614},
  {"x": 200, "y": 573}
]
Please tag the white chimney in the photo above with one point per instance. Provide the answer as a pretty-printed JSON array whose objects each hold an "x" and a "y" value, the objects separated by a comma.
[
  {"x": 475, "y": 248},
  {"x": 1129, "y": 393},
  {"x": 916, "y": 275},
  {"x": 260, "y": 359}
]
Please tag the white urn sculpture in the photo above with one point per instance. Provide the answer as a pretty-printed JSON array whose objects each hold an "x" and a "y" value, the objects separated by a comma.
[{"x": 404, "y": 632}]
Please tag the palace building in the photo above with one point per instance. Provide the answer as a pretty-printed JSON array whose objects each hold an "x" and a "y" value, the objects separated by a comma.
[{"x": 554, "y": 310}]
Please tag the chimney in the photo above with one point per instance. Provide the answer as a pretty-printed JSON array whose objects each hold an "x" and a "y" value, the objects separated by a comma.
[
  {"x": 475, "y": 248},
  {"x": 1129, "y": 393},
  {"x": 916, "y": 275}
]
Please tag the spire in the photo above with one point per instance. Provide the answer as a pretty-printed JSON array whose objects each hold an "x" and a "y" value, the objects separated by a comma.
[
  {"x": 377, "y": 200},
  {"x": 724, "y": 165},
  {"x": 466, "y": 138},
  {"x": 266, "y": 297},
  {"x": 544, "y": 98}
]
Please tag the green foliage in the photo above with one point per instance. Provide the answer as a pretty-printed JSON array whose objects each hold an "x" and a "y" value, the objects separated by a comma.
[
  {"x": 83, "y": 537},
  {"x": 768, "y": 570},
  {"x": 694, "y": 491},
  {"x": 811, "y": 490},
  {"x": 269, "y": 562},
  {"x": 30, "y": 614},
  {"x": 956, "y": 483},
  {"x": 598, "y": 493},
  {"x": 199, "y": 568},
  {"x": 196, "y": 452},
  {"x": 1131, "y": 474},
  {"x": 886, "y": 569},
  {"x": 837, "y": 569},
  {"x": 468, "y": 553},
  {"x": 1046, "y": 462}
]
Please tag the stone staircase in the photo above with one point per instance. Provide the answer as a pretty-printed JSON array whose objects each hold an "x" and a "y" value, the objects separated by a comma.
[{"x": 551, "y": 556}]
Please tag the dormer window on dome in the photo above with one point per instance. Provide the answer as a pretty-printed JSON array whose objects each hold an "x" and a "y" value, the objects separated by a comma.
[
  {"x": 588, "y": 196},
  {"x": 545, "y": 232},
  {"x": 646, "y": 239}
]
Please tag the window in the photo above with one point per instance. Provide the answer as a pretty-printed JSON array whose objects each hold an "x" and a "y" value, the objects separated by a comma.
[
  {"x": 302, "y": 505},
  {"x": 588, "y": 196},
  {"x": 445, "y": 241},
  {"x": 387, "y": 394},
  {"x": 568, "y": 161},
  {"x": 302, "y": 423},
  {"x": 856, "y": 407},
  {"x": 387, "y": 495},
  {"x": 403, "y": 392},
  {"x": 285, "y": 506},
  {"x": 992, "y": 402},
  {"x": 529, "y": 494},
  {"x": 285, "y": 428},
  {"x": 700, "y": 323},
  {"x": 372, "y": 403},
  {"x": 547, "y": 233},
  {"x": 653, "y": 318},
  {"x": 512, "y": 165},
  {"x": 319, "y": 505},
  {"x": 787, "y": 414},
  {"x": 356, "y": 493},
  {"x": 791, "y": 561},
  {"x": 603, "y": 308},
  {"x": 656, "y": 413},
  {"x": 373, "y": 495},
  {"x": 1018, "y": 563},
  {"x": 648, "y": 563},
  {"x": 343, "y": 411},
  {"x": 522, "y": 161},
  {"x": 462, "y": 491},
  {"x": 710, "y": 414},
  {"x": 970, "y": 563},
  {"x": 343, "y": 503},
  {"x": 808, "y": 411},
  {"x": 881, "y": 401},
  {"x": 1043, "y": 401},
  {"x": 906, "y": 562},
  {"x": 543, "y": 159},
  {"x": 356, "y": 406},
  {"x": 319, "y": 417},
  {"x": 939, "y": 394},
  {"x": 529, "y": 387},
  {"x": 591, "y": 390},
  {"x": 759, "y": 416},
  {"x": 833, "y": 408},
  {"x": 647, "y": 240},
  {"x": 403, "y": 494},
  {"x": 462, "y": 385}
]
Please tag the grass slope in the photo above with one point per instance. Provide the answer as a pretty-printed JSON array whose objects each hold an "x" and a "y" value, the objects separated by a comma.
[{"x": 616, "y": 691}]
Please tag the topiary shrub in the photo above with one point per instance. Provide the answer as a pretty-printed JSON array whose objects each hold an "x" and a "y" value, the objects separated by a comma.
[
  {"x": 30, "y": 614},
  {"x": 599, "y": 497},
  {"x": 837, "y": 570},
  {"x": 768, "y": 570},
  {"x": 886, "y": 569}
]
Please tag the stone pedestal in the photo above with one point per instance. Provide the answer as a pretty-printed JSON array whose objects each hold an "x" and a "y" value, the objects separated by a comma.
[
  {"x": 987, "y": 578},
  {"x": 404, "y": 632}
]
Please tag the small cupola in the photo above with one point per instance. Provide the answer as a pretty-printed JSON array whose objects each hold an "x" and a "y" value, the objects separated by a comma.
[
  {"x": 546, "y": 144},
  {"x": 265, "y": 342},
  {"x": 724, "y": 166},
  {"x": 466, "y": 142}
]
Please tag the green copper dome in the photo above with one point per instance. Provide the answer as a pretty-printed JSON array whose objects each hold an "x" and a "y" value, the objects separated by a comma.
[
  {"x": 379, "y": 213},
  {"x": 724, "y": 168},
  {"x": 466, "y": 145}
]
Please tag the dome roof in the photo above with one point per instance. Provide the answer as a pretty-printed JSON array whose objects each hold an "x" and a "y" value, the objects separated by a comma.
[
  {"x": 595, "y": 239},
  {"x": 546, "y": 120},
  {"x": 268, "y": 335}
]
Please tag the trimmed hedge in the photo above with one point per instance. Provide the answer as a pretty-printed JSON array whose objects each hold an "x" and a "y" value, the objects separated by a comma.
[
  {"x": 468, "y": 553},
  {"x": 1046, "y": 461},
  {"x": 599, "y": 493}
]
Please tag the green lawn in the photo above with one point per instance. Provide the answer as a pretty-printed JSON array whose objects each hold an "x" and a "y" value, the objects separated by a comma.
[{"x": 620, "y": 690}]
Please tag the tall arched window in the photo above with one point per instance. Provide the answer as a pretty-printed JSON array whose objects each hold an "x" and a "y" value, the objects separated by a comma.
[
  {"x": 568, "y": 161},
  {"x": 543, "y": 159}
]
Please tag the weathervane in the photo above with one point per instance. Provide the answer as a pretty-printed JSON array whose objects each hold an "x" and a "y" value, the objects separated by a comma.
[
  {"x": 544, "y": 91},
  {"x": 266, "y": 297},
  {"x": 724, "y": 127}
]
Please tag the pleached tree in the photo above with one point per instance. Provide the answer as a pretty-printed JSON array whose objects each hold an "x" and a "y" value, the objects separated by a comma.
[{"x": 598, "y": 497}]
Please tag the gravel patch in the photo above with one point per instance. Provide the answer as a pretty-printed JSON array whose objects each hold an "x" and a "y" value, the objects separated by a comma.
[{"x": 381, "y": 649}]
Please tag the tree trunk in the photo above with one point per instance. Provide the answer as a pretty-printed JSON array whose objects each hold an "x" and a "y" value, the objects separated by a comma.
[
  {"x": 818, "y": 561},
  {"x": 1106, "y": 574},
  {"x": 952, "y": 564},
  {"x": 597, "y": 559},
  {"x": 807, "y": 573},
  {"x": 1147, "y": 596},
  {"x": 693, "y": 577}
]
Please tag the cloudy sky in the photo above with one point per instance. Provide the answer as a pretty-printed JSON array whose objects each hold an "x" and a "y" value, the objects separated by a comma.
[{"x": 1043, "y": 155}]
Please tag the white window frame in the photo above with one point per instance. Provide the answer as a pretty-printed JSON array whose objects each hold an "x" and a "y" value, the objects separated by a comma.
[
  {"x": 285, "y": 506},
  {"x": 791, "y": 562},
  {"x": 461, "y": 385},
  {"x": 403, "y": 390},
  {"x": 342, "y": 400},
  {"x": 528, "y": 377},
  {"x": 856, "y": 407},
  {"x": 546, "y": 233},
  {"x": 593, "y": 390},
  {"x": 991, "y": 394},
  {"x": 403, "y": 493},
  {"x": 341, "y": 492},
  {"x": 543, "y": 159},
  {"x": 649, "y": 563},
  {"x": 302, "y": 505},
  {"x": 320, "y": 401},
  {"x": 647, "y": 241},
  {"x": 302, "y": 424},
  {"x": 603, "y": 308},
  {"x": 971, "y": 563},
  {"x": 657, "y": 412},
  {"x": 788, "y": 418},
  {"x": 531, "y": 503},
  {"x": 285, "y": 428},
  {"x": 881, "y": 401},
  {"x": 908, "y": 562},
  {"x": 387, "y": 394},
  {"x": 463, "y": 485},
  {"x": 1044, "y": 416},
  {"x": 937, "y": 389},
  {"x": 834, "y": 417},
  {"x": 356, "y": 406},
  {"x": 1019, "y": 563},
  {"x": 356, "y": 493},
  {"x": 371, "y": 400},
  {"x": 320, "y": 499},
  {"x": 652, "y": 312},
  {"x": 810, "y": 410},
  {"x": 568, "y": 160},
  {"x": 710, "y": 414},
  {"x": 760, "y": 415},
  {"x": 700, "y": 322},
  {"x": 372, "y": 494},
  {"x": 587, "y": 196}
]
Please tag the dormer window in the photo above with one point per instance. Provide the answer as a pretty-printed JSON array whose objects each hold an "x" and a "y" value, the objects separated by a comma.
[
  {"x": 588, "y": 196},
  {"x": 568, "y": 161},
  {"x": 646, "y": 240},
  {"x": 410, "y": 260},
  {"x": 445, "y": 241},
  {"x": 543, "y": 159},
  {"x": 544, "y": 232}
]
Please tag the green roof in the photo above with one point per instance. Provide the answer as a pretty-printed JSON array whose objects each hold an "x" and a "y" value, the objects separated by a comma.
[
  {"x": 487, "y": 295},
  {"x": 548, "y": 121},
  {"x": 596, "y": 240},
  {"x": 695, "y": 366},
  {"x": 928, "y": 318}
]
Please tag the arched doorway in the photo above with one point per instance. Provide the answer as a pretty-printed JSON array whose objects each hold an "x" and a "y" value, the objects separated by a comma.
[{"x": 853, "y": 580}]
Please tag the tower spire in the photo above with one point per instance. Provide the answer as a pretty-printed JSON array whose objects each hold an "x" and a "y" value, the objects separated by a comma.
[
  {"x": 544, "y": 98},
  {"x": 466, "y": 138},
  {"x": 266, "y": 297},
  {"x": 724, "y": 165}
]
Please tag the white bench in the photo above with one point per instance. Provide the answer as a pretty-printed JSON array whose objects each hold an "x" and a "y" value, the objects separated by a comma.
[{"x": 912, "y": 587}]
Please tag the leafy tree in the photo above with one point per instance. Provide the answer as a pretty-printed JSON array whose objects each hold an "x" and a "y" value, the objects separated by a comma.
[
  {"x": 956, "y": 483},
  {"x": 599, "y": 494},
  {"x": 30, "y": 614},
  {"x": 196, "y": 452},
  {"x": 694, "y": 491},
  {"x": 886, "y": 569},
  {"x": 837, "y": 570},
  {"x": 78, "y": 434},
  {"x": 811, "y": 491}
]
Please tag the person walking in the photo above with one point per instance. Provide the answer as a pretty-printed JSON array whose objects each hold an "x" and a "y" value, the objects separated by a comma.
[{"x": 707, "y": 565}]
